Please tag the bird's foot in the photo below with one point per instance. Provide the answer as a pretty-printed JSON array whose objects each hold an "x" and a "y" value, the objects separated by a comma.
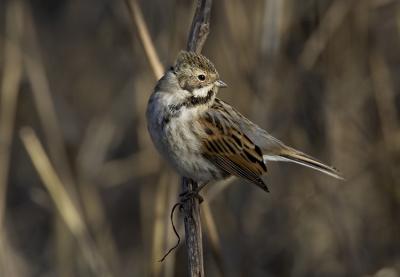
[{"x": 188, "y": 195}]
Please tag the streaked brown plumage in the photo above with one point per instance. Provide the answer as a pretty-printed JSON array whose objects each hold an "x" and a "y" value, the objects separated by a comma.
[{"x": 206, "y": 139}]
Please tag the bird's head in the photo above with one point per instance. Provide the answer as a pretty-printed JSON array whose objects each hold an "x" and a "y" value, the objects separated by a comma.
[{"x": 196, "y": 74}]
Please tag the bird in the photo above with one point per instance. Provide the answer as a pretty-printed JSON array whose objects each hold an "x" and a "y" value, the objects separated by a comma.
[{"x": 203, "y": 137}]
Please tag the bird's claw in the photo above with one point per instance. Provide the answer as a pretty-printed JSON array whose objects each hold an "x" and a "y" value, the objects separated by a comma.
[{"x": 187, "y": 195}]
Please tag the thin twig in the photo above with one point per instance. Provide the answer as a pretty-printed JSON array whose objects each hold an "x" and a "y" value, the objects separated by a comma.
[
  {"x": 176, "y": 205},
  {"x": 200, "y": 26},
  {"x": 197, "y": 36},
  {"x": 148, "y": 46}
]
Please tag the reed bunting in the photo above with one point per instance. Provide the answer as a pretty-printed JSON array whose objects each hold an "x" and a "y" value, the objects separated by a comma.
[{"x": 204, "y": 138}]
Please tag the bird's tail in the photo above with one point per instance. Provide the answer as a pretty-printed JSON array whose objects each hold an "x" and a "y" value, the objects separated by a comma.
[{"x": 292, "y": 155}]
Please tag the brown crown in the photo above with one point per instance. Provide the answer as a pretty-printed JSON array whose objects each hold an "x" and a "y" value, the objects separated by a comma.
[{"x": 195, "y": 60}]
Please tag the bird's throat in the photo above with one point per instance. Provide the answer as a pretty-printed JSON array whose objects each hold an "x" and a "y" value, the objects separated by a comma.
[
  {"x": 201, "y": 92},
  {"x": 200, "y": 100},
  {"x": 193, "y": 101}
]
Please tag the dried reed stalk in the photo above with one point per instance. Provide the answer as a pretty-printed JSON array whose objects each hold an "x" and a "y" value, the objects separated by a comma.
[
  {"x": 10, "y": 84},
  {"x": 194, "y": 241},
  {"x": 147, "y": 43},
  {"x": 63, "y": 202},
  {"x": 12, "y": 72}
]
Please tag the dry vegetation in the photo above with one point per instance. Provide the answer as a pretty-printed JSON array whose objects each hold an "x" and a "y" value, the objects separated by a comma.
[{"x": 83, "y": 192}]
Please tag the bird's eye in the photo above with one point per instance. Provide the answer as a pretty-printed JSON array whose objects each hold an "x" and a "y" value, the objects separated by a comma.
[{"x": 201, "y": 77}]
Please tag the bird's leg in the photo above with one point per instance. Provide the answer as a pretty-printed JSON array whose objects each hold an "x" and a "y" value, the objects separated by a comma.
[{"x": 186, "y": 195}]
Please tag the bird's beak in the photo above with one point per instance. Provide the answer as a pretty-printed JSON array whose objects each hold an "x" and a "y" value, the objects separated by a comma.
[{"x": 220, "y": 84}]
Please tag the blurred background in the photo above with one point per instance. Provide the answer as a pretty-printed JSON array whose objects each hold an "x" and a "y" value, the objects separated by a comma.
[{"x": 84, "y": 193}]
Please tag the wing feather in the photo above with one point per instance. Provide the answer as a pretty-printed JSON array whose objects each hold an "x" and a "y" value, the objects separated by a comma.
[
  {"x": 225, "y": 145},
  {"x": 248, "y": 142}
]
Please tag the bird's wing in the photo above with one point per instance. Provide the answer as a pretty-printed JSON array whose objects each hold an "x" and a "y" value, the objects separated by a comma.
[
  {"x": 272, "y": 148},
  {"x": 229, "y": 148}
]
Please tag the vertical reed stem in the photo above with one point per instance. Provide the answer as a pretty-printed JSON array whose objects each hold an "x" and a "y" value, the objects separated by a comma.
[{"x": 194, "y": 242}]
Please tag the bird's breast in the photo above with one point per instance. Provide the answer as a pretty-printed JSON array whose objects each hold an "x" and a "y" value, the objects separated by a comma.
[
  {"x": 172, "y": 131},
  {"x": 177, "y": 136}
]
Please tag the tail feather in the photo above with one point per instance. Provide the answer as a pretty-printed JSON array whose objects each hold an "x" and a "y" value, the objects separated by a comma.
[{"x": 294, "y": 156}]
